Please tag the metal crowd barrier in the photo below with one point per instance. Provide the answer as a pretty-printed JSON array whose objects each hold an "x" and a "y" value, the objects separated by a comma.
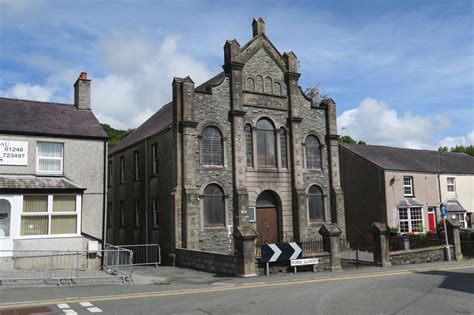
[
  {"x": 143, "y": 254},
  {"x": 64, "y": 267}
]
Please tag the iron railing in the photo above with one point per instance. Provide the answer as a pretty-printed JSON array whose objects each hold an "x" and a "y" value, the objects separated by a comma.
[
  {"x": 64, "y": 267},
  {"x": 397, "y": 243}
]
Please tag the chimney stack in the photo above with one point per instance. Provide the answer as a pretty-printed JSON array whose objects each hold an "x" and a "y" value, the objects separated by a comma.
[
  {"x": 258, "y": 26},
  {"x": 82, "y": 92}
]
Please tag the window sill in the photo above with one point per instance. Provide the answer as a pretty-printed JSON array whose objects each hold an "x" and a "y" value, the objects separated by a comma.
[
  {"x": 50, "y": 174},
  {"x": 31, "y": 237},
  {"x": 214, "y": 228}
]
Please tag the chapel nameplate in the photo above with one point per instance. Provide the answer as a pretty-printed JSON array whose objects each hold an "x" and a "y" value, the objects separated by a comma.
[{"x": 251, "y": 99}]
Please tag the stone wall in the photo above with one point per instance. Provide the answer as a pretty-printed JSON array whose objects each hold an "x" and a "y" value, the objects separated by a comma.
[
  {"x": 418, "y": 256},
  {"x": 324, "y": 264},
  {"x": 207, "y": 261}
]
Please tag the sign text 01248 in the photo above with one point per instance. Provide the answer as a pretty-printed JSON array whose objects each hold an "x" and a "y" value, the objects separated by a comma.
[{"x": 13, "y": 152}]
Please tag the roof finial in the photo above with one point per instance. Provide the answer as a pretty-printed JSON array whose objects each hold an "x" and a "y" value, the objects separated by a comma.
[{"x": 258, "y": 26}]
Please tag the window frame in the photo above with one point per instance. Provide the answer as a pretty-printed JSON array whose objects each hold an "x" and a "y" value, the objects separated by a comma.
[
  {"x": 122, "y": 169},
  {"x": 155, "y": 159},
  {"x": 452, "y": 185},
  {"x": 122, "y": 213},
  {"x": 136, "y": 165},
  {"x": 283, "y": 148},
  {"x": 410, "y": 218},
  {"x": 156, "y": 213},
  {"x": 410, "y": 186},
  {"x": 110, "y": 215},
  {"x": 137, "y": 213},
  {"x": 50, "y": 214},
  {"x": 323, "y": 210},
  {"x": 318, "y": 158},
  {"x": 249, "y": 152},
  {"x": 110, "y": 173},
  {"x": 212, "y": 154},
  {"x": 263, "y": 132},
  {"x": 38, "y": 157},
  {"x": 203, "y": 196}
]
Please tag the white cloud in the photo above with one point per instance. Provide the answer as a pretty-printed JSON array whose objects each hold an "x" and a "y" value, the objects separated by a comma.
[
  {"x": 377, "y": 123},
  {"x": 140, "y": 77},
  {"x": 466, "y": 140},
  {"x": 29, "y": 92}
]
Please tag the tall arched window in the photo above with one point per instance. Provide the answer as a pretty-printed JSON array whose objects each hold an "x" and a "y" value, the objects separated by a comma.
[
  {"x": 212, "y": 147},
  {"x": 214, "y": 206},
  {"x": 248, "y": 145},
  {"x": 283, "y": 151},
  {"x": 315, "y": 204},
  {"x": 265, "y": 143},
  {"x": 268, "y": 85},
  {"x": 250, "y": 84},
  {"x": 313, "y": 153}
]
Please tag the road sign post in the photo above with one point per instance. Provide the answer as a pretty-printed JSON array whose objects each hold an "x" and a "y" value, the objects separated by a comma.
[{"x": 443, "y": 216}]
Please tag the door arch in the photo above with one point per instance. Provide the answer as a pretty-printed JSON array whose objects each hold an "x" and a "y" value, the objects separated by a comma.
[
  {"x": 5, "y": 218},
  {"x": 267, "y": 218}
]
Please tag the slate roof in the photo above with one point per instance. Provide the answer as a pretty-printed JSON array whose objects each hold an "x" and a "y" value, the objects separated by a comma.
[
  {"x": 454, "y": 206},
  {"x": 399, "y": 159},
  {"x": 159, "y": 121},
  {"x": 51, "y": 119},
  {"x": 31, "y": 182}
]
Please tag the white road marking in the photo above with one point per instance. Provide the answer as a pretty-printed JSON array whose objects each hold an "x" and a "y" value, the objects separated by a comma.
[
  {"x": 70, "y": 312},
  {"x": 86, "y": 304},
  {"x": 94, "y": 310},
  {"x": 63, "y": 306}
]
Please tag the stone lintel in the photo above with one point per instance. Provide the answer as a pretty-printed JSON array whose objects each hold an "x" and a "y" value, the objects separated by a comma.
[
  {"x": 237, "y": 113},
  {"x": 187, "y": 124},
  {"x": 333, "y": 137},
  {"x": 296, "y": 119},
  {"x": 293, "y": 75},
  {"x": 233, "y": 65}
]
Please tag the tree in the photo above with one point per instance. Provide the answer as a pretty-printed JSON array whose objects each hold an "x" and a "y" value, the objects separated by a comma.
[
  {"x": 115, "y": 135},
  {"x": 459, "y": 149},
  {"x": 349, "y": 140},
  {"x": 316, "y": 93}
]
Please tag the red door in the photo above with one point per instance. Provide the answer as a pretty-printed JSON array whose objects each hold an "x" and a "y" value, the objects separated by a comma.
[
  {"x": 267, "y": 225},
  {"x": 431, "y": 221}
]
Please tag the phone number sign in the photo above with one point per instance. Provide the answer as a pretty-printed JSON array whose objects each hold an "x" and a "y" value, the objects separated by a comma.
[{"x": 13, "y": 152}]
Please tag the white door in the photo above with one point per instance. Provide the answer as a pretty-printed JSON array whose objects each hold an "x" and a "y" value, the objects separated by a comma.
[{"x": 6, "y": 241}]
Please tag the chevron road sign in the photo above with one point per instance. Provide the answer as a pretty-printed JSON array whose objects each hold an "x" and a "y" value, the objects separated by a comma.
[{"x": 280, "y": 252}]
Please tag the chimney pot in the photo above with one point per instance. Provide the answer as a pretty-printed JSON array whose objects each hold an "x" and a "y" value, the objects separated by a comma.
[{"x": 83, "y": 76}]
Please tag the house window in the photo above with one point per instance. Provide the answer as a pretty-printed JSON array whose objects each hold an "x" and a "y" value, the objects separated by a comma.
[
  {"x": 137, "y": 213},
  {"x": 212, "y": 147},
  {"x": 284, "y": 159},
  {"x": 268, "y": 85},
  {"x": 122, "y": 169},
  {"x": 265, "y": 143},
  {"x": 451, "y": 184},
  {"x": 49, "y": 215},
  {"x": 313, "y": 153},
  {"x": 122, "y": 213},
  {"x": 50, "y": 158},
  {"x": 214, "y": 206},
  {"x": 110, "y": 172},
  {"x": 315, "y": 204},
  {"x": 110, "y": 215},
  {"x": 154, "y": 152},
  {"x": 408, "y": 186},
  {"x": 156, "y": 213},
  {"x": 136, "y": 162},
  {"x": 459, "y": 217},
  {"x": 410, "y": 219},
  {"x": 249, "y": 145}
]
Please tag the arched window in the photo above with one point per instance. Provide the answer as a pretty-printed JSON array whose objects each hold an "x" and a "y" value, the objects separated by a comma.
[
  {"x": 277, "y": 88},
  {"x": 284, "y": 159},
  {"x": 268, "y": 85},
  {"x": 265, "y": 143},
  {"x": 212, "y": 148},
  {"x": 259, "y": 84},
  {"x": 214, "y": 206},
  {"x": 250, "y": 84},
  {"x": 313, "y": 153},
  {"x": 248, "y": 145},
  {"x": 315, "y": 204}
]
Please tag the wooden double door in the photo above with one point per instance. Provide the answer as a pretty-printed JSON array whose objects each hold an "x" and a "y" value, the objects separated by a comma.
[{"x": 267, "y": 225}]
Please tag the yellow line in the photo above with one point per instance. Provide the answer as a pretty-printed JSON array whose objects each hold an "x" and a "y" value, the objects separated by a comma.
[{"x": 231, "y": 287}]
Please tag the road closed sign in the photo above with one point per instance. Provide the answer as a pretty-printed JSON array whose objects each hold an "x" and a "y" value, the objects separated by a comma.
[{"x": 13, "y": 152}]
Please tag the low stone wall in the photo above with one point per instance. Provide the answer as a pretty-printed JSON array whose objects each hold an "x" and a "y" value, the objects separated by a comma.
[
  {"x": 419, "y": 255},
  {"x": 206, "y": 261},
  {"x": 324, "y": 264}
]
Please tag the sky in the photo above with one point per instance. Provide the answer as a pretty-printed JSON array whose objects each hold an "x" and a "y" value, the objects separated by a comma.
[{"x": 401, "y": 72}]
